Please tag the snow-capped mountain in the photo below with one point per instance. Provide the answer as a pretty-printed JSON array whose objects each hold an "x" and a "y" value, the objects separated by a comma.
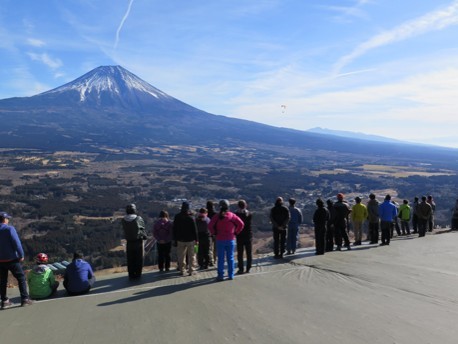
[{"x": 111, "y": 107}]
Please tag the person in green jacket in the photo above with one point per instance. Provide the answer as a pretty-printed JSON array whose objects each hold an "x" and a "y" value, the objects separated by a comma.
[
  {"x": 40, "y": 279},
  {"x": 405, "y": 215}
]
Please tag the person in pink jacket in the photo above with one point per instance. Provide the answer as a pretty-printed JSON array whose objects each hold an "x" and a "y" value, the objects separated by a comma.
[{"x": 225, "y": 226}]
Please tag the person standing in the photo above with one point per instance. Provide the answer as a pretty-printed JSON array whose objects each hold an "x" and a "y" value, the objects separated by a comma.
[
  {"x": 41, "y": 280},
  {"x": 405, "y": 215},
  {"x": 134, "y": 233},
  {"x": 358, "y": 216},
  {"x": 244, "y": 238},
  {"x": 203, "y": 255},
  {"x": 454, "y": 222},
  {"x": 225, "y": 226},
  {"x": 415, "y": 216},
  {"x": 279, "y": 217},
  {"x": 320, "y": 219},
  {"x": 374, "y": 219},
  {"x": 342, "y": 211},
  {"x": 11, "y": 257},
  {"x": 162, "y": 232},
  {"x": 423, "y": 212},
  {"x": 388, "y": 212},
  {"x": 330, "y": 226},
  {"x": 293, "y": 226},
  {"x": 431, "y": 202},
  {"x": 79, "y": 277},
  {"x": 185, "y": 238},
  {"x": 212, "y": 252}
]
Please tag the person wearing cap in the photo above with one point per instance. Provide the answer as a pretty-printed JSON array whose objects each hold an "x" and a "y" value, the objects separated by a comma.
[
  {"x": 185, "y": 237},
  {"x": 225, "y": 226},
  {"x": 279, "y": 217},
  {"x": 79, "y": 277},
  {"x": 11, "y": 257},
  {"x": 244, "y": 238},
  {"x": 134, "y": 232},
  {"x": 320, "y": 219},
  {"x": 373, "y": 218},
  {"x": 293, "y": 226},
  {"x": 342, "y": 211},
  {"x": 358, "y": 216},
  {"x": 41, "y": 280},
  {"x": 388, "y": 212}
]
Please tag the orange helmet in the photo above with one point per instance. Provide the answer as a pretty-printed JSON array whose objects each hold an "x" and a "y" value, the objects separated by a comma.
[{"x": 41, "y": 258}]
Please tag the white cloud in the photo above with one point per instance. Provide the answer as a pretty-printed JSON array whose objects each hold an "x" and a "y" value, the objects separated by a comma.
[
  {"x": 436, "y": 20},
  {"x": 46, "y": 59},
  {"x": 35, "y": 42}
]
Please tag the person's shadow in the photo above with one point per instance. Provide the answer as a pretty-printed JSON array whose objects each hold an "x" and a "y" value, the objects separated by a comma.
[{"x": 161, "y": 291}]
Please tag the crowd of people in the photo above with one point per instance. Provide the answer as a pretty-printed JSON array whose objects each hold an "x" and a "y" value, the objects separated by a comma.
[
  {"x": 332, "y": 222},
  {"x": 209, "y": 237}
]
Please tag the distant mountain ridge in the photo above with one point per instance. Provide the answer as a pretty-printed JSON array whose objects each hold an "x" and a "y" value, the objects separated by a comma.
[
  {"x": 354, "y": 135},
  {"x": 110, "y": 107}
]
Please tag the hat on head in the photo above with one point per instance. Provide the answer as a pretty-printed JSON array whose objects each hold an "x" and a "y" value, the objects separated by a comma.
[
  {"x": 224, "y": 204},
  {"x": 184, "y": 206},
  {"x": 340, "y": 195},
  {"x": 41, "y": 258},
  {"x": 4, "y": 215}
]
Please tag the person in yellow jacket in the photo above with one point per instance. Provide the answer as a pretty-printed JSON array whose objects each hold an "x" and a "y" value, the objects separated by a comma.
[
  {"x": 405, "y": 215},
  {"x": 358, "y": 216}
]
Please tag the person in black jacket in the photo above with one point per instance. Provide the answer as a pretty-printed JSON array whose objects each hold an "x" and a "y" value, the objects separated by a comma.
[
  {"x": 330, "y": 227},
  {"x": 244, "y": 238},
  {"x": 134, "y": 233},
  {"x": 320, "y": 219},
  {"x": 279, "y": 217},
  {"x": 342, "y": 210},
  {"x": 185, "y": 237}
]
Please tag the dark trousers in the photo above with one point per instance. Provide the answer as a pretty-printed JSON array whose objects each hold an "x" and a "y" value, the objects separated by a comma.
[
  {"x": 75, "y": 293},
  {"x": 244, "y": 245},
  {"x": 134, "y": 252},
  {"x": 320, "y": 238},
  {"x": 395, "y": 225},
  {"x": 422, "y": 224},
  {"x": 454, "y": 223},
  {"x": 330, "y": 238},
  {"x": 341, "y": 234},
  {"x": 415, "y": 223},
  {"x": 163, "y": 255},
  {"x": 430, "y": 223},
  {"x": 386, "y": 227},
  {"x": 279, "y": 241},
  {"x": 16, "y": 269},
  {"x": 405, "y": 227},
  {"x": 203, "y": 255},
  {"x": 373, "y": 231}
]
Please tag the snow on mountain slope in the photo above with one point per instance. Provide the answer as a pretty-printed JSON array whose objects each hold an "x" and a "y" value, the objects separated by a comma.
[{"x": 111, "y": 79}]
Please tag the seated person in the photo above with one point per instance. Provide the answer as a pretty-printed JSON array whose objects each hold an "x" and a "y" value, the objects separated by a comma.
[
  {"x": 79, "y": 276},
  {"x": 40, "y": 279}
]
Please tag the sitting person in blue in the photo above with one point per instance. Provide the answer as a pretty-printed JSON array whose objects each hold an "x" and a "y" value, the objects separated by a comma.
[{"x": 79, "y": 277}]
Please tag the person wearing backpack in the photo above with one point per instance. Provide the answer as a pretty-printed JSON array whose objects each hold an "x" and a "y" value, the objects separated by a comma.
[
  {"x": 134, "y": 233},
  {"x": 162, "y": 232}
]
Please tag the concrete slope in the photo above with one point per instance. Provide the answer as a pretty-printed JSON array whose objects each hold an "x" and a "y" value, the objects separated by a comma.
[{"x": 403, "y": 293}]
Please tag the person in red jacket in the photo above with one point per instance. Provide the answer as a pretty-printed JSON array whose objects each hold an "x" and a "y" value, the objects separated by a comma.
[{"x": 225, "y": 226}]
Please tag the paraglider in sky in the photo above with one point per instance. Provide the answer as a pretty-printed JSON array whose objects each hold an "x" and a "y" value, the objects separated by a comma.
[{"x": 283, "y": 109}]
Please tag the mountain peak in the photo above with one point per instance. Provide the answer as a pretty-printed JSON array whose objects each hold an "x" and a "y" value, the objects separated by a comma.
[{"x": 108, "y": 80}]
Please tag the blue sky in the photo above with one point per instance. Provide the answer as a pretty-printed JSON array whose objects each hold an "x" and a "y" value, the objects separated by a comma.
[{"x": 380, "y": 67}]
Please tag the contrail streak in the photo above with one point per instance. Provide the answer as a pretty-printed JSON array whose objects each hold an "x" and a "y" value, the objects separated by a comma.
[{"x": 126, "y": 15}]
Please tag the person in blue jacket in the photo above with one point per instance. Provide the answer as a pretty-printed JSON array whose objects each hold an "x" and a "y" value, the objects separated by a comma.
[
  {"x": 11, "y": 257},
  {"x": 79, "y": 277},
  {"x": 387, "y": 212}
]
